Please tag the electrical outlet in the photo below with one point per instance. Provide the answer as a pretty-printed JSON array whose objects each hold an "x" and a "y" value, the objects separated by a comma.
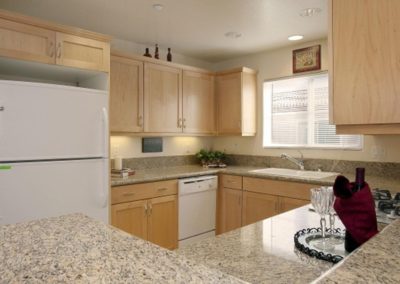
[{"x": 378, "y": 152}]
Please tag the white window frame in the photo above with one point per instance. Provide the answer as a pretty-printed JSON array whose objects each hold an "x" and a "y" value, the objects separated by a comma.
[{"x": 267, "y": 123}]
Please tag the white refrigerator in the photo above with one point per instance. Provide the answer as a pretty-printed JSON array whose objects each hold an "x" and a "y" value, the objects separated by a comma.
[{"x": 53, "y": 151}]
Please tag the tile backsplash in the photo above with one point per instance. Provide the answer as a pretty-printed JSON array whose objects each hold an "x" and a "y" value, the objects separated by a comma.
[{"x": 384, "y": 169}]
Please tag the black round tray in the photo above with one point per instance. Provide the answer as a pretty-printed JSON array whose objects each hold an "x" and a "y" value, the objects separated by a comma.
[{"x": 301, "y": 242}]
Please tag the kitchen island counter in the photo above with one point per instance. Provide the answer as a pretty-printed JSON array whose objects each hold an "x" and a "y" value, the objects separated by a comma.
[
  {"x": 77, "y": 249},
  {"x": 262, "y": 252}
]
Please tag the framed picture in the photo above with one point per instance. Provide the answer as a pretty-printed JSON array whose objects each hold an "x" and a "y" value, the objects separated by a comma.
[{"x": 307, "y": 59}]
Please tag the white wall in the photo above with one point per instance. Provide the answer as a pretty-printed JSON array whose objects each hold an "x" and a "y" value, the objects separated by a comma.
[
  {"x": 276, "y": 64},
  {"x": 139, "y": 49},
  {"x": 129, "y": 147}
]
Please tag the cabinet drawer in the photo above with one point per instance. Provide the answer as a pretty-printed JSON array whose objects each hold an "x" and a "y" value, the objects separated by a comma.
[
  {"x": 133, "y": 192},
  {"x": 279, "y": 188},
  {"x": 231, "y": 181}
]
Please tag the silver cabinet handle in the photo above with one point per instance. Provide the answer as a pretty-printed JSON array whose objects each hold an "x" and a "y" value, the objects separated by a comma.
[
  {"x": 184, "y": 123},
  {"x": 59, "y": 50},
  {"x": 180, "y": 123},
  {"x": 140, "y": 120},
  {"x": 145, "y": 209},
  {"x": 150, "y": 209},
  {"x": 2, "y": 108},
  {"x": 51, "y": 49}
]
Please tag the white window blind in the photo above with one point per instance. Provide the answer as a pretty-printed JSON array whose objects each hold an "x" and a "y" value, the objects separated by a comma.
[{"x": 296, "y": 115}]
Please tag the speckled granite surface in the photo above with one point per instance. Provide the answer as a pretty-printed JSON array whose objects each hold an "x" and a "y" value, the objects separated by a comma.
[
  {"x": 263, "y": 252},
  {"x": 155, "y": 174},
  {"x": 377, "y": 261},
  {"x": 77, "y": 249}
]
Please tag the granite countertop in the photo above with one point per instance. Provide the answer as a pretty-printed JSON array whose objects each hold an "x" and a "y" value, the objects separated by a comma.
[
  {"x": 157, "y": 174},
  {"x": 77, "y": 249},
  {"x": 262, "y": 252},
  {"x": 377, "y": 261}
]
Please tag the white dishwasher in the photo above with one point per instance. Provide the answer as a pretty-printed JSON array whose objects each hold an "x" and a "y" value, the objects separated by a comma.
[{"x": 197, "y": 206}]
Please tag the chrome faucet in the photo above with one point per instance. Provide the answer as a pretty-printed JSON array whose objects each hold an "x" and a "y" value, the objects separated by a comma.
[{"x": 298, "y": 162}]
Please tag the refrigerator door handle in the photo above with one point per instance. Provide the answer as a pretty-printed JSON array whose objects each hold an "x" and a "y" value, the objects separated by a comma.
[
  {"x": 103, "y": 194},
  {"x": 105, "y": 132}
]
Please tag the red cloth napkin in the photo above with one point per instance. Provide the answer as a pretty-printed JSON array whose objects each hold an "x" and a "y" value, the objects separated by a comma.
[{"x": 355, "y": 210}]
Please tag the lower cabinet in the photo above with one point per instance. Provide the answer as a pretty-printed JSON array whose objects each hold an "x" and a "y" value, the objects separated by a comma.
[
  {"x": 287, "y": 204},
  {"x": 231, "y": 210},
  {"x": 258, "y": 206},
  {"x": 154, "y": 219},
  {"x": 246, "y": 200}
]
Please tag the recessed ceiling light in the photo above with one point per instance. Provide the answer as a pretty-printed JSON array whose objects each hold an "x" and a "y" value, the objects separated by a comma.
[
  {"x": 295, "y": 37},
  {"x": 309, "y": 12},
  {"x": 158, "y": 7},
  {"x": 233, "y": 34}
]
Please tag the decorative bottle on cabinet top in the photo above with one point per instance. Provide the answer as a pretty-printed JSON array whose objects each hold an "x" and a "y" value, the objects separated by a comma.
[
  {"x": 156, "y": 55},
  {"x": 147, "y": 53},
  {"x": 169, "y": 55}
]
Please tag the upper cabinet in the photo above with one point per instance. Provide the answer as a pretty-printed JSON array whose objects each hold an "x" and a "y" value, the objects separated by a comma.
[
  {"x": 27, "y": 38},
  {"x": 126, "y": 95},
  {"x": 236, "y": 102},
  {"x": 149, "y": 96},
  {"x": 80, "y": 52},
  {"x": 364, "y": 66},
  {"x": 26, "y": 42},
  {"x": 198, "y": 109},
  {"x": 162, "y": 98}
]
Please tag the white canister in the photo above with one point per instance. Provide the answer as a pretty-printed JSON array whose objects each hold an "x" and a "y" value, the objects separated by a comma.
[{"x": 118, "y": 163}]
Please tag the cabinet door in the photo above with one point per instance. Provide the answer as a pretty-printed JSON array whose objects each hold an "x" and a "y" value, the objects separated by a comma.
[
  {"x": 365, "y": 60},
  {"x": 85, "y": 53},
  {"x": 162, "y": 99},
  {"x": 198, "y": 103},
  {"x": 163, "y": 221},
  {"x": 131, "y": 217},
  {"x": 126, "y": 95},
  {"x": 26, "y": 42},
  {"x": 287, "y": 203},
  {"x": 231, "y": 209},
  {"x": 229, "y": 90},
  {"x": 258, "y": 206}
]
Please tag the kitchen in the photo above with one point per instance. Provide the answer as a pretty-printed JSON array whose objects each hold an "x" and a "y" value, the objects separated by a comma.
[{"x": 379, "y": 154}]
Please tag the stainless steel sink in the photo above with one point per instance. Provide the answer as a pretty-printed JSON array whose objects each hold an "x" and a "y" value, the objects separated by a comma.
[{"x": 294, "y": 173}]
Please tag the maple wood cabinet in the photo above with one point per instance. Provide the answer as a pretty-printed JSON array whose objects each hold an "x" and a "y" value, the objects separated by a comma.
[
  {"x": 162, "y": 98},
  {"x": 236, "y": 102},
  {"x": 364, "y": 69},
  {"x": 198, "y": 109},
  {"x": 148, "y": 211},
  {"x": 27, "y": 38},
  {"x": 126, "y": 94},
  {"x": 246, "y": 200},
  {"x": 264, "y": 198},
  {"x": 229, "y": 203}
]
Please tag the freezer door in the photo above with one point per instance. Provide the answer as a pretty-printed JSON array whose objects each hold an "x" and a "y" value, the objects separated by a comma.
[
  {"x": 30, "y": 191},
  {"x": 45, "y": 121}
]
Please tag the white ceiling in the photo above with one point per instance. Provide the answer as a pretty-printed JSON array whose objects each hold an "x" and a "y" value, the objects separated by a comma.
[{"x": 192, "y": 27}]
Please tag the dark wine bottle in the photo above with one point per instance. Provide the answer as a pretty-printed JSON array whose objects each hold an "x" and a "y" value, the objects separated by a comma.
[
  {"x": 156, "y": 54},
  {"x": 147, "y": 53},
  {"x": 169, "y": 55},
  {"x": 360, "y": 179},
  {"x": 350, "y": 243}
]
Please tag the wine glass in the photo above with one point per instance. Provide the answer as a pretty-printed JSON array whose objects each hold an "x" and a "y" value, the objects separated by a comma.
[
  {"x": 322, "y": 201},
  {"x": 333, "y": 238}
]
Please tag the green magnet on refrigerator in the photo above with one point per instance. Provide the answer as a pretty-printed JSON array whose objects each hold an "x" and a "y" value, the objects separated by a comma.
[{"x": 5, "y": 167}]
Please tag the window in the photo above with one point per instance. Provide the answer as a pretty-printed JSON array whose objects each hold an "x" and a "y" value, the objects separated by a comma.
[{"x": 296, "y": 115}]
